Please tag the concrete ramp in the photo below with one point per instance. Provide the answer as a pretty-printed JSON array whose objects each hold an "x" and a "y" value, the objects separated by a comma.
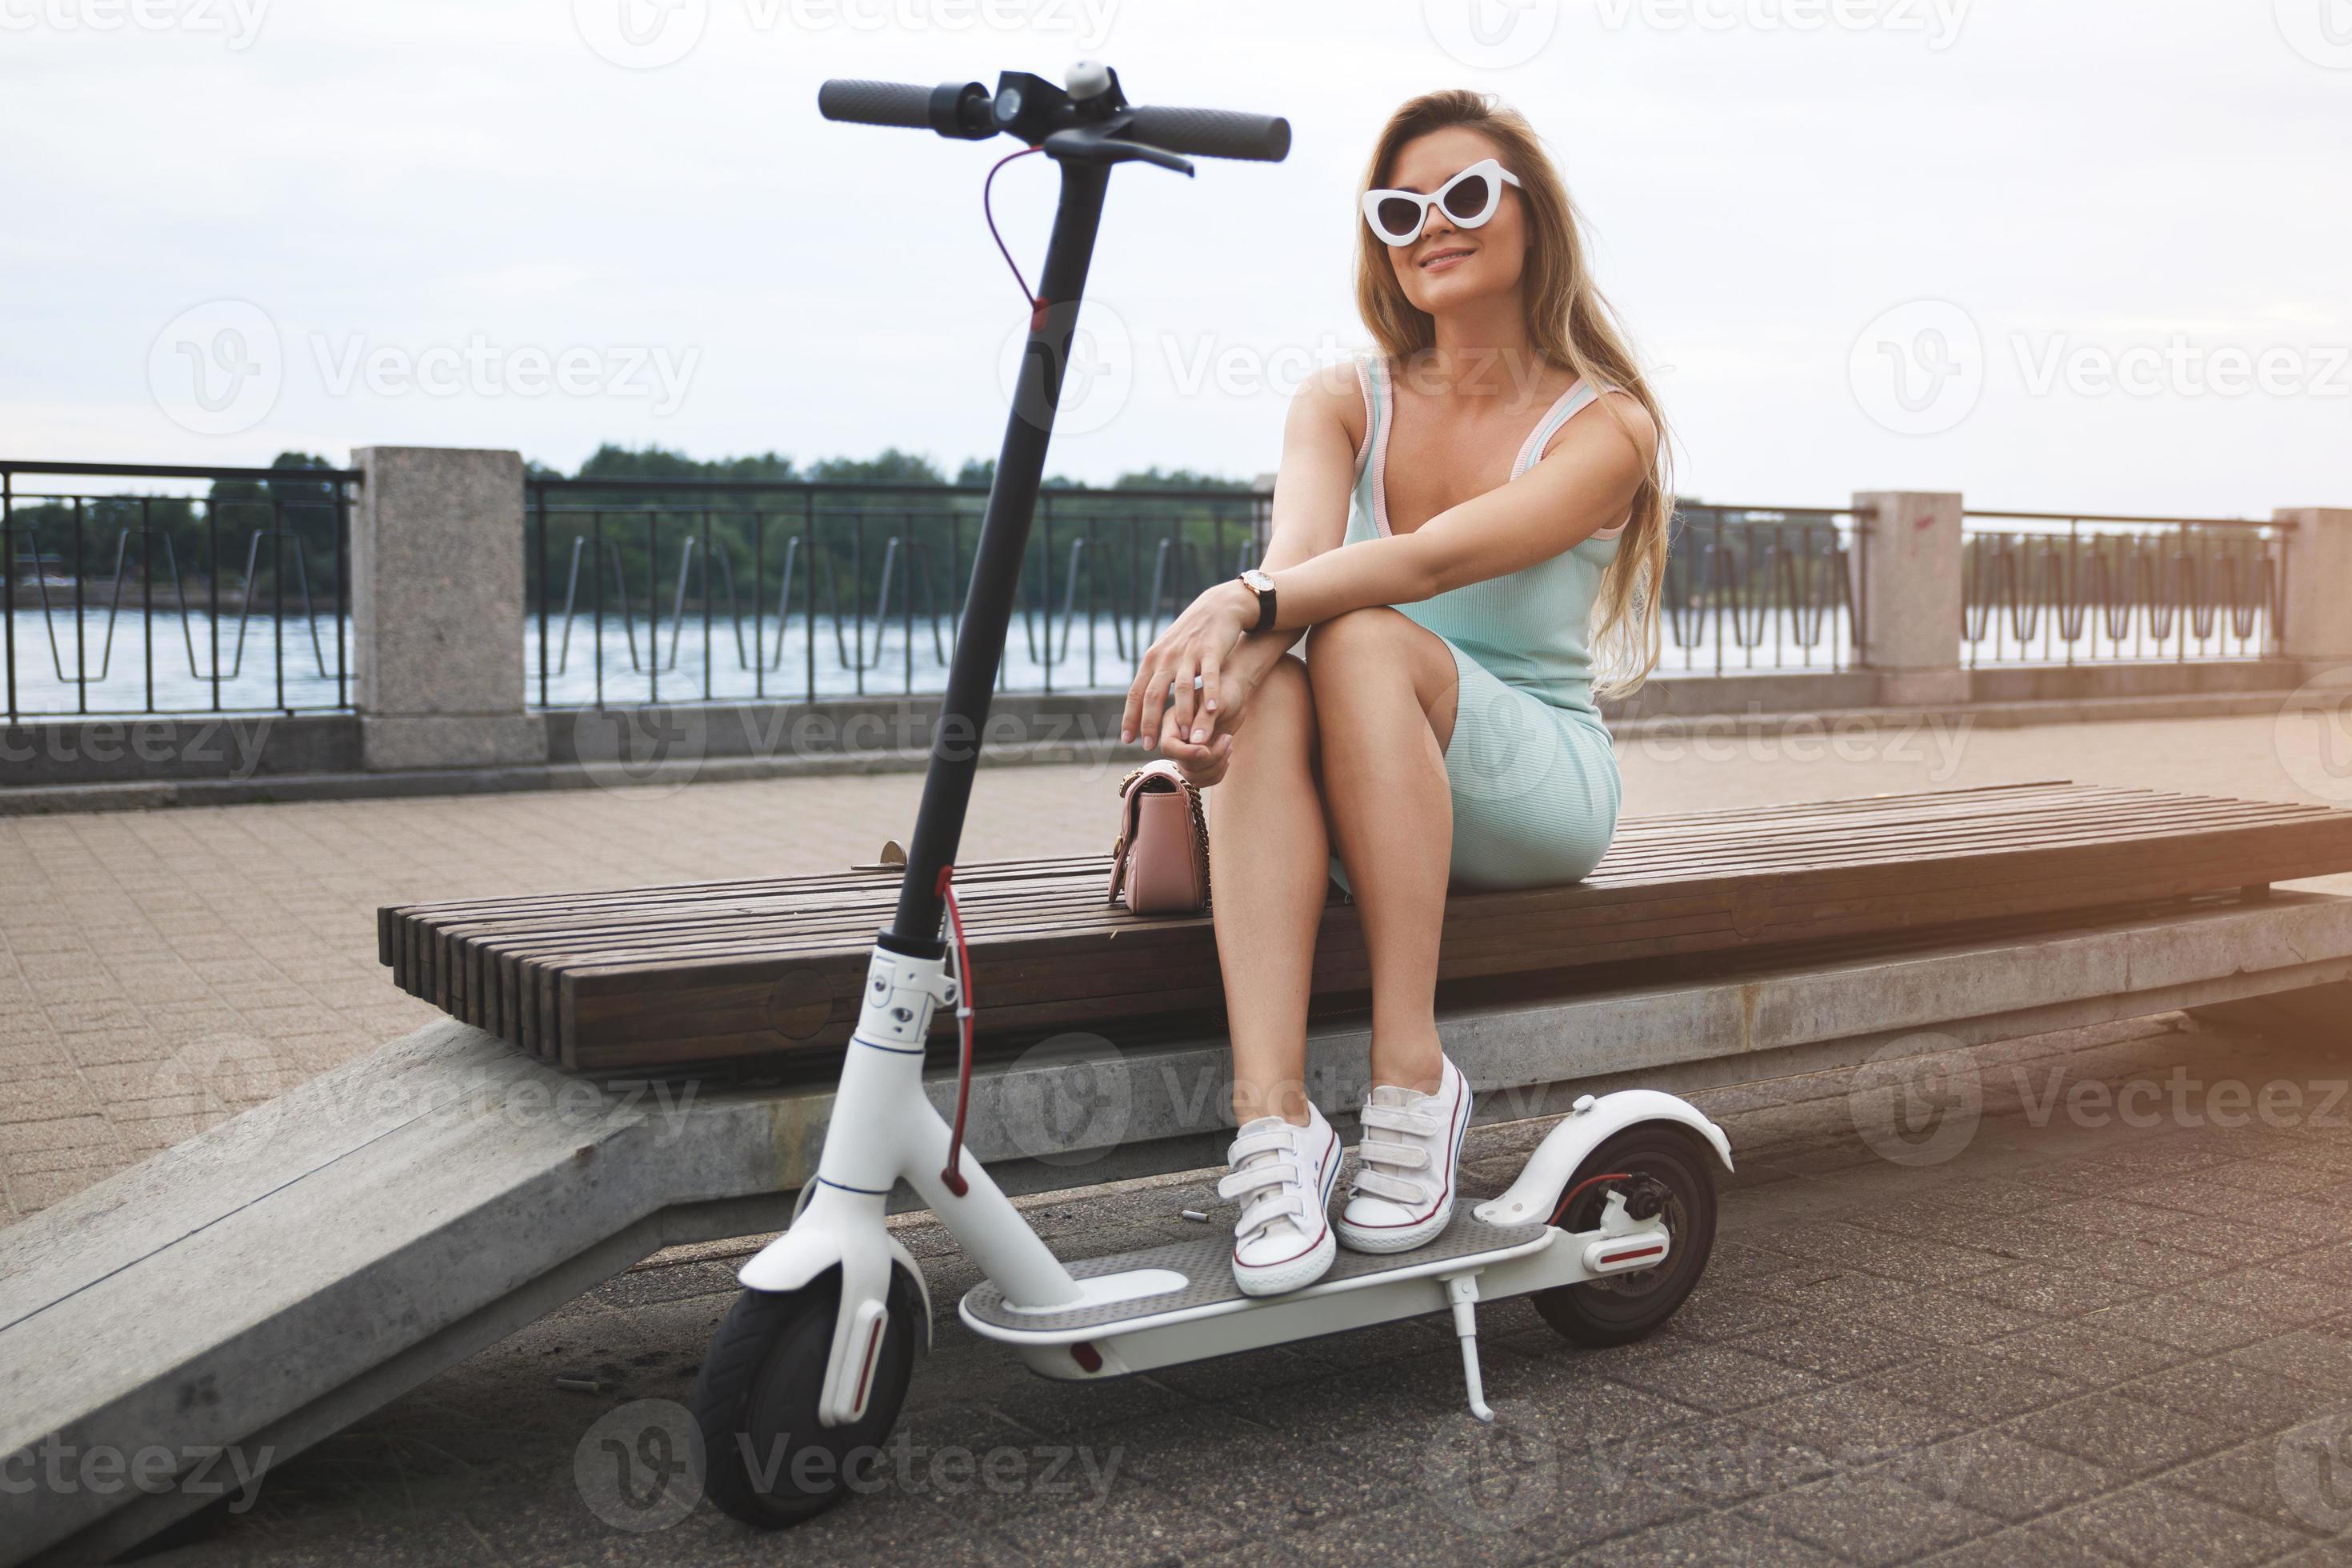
[{"x": 268, "y": 1282}]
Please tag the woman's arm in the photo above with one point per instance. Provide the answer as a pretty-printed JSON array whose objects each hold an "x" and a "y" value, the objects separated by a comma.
[
  {"x": 1583, "y": 485},
  {"x": 1309, "y": 518}
]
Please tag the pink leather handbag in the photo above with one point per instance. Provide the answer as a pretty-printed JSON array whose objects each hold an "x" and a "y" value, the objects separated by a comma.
[{"x": 1160, "y": 864}]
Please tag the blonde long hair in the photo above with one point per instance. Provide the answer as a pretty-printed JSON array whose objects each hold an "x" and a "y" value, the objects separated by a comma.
[{"x": 1569, "y": 324}]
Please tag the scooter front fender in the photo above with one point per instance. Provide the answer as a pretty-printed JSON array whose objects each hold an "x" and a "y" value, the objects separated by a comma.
[
  {"x": 1532, "y": 1199},
  {"x": 839, "y": 1228}
]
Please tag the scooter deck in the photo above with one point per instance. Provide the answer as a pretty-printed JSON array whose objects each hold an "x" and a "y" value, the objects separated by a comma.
[{"x": 1206, "y": 1269}]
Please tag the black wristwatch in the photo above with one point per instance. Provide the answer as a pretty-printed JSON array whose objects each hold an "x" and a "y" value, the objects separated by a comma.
[{"x": 1258, "y": 583}]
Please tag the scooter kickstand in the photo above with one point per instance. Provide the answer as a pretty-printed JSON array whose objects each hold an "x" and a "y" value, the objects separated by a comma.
[{"x": 1462, "y": 1290}]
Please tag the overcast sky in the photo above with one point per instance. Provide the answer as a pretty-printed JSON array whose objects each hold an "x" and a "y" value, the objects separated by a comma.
[{"x": 2058, "y": 254}]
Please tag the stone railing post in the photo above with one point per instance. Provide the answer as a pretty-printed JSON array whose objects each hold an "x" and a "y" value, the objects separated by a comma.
[
  {"x": 2318, "y": 587},
  {"x": 438, "y": 610},
  {"x": 1908, "y": 587}
]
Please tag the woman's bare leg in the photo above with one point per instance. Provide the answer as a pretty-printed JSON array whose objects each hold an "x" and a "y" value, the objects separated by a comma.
[
  {"x": 1266, "y": 822},
  {"x": 1384, "y": 703}
]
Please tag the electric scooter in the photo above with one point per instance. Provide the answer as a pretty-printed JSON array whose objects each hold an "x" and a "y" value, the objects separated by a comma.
[{"x": 1607, "y": 1227}]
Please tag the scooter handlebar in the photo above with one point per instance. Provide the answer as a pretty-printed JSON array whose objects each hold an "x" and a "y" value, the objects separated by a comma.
[
  {"x": 1211, "y": 132},
  {"x": 1200, "y": 132},
  {"x": 877, "y": 102}
]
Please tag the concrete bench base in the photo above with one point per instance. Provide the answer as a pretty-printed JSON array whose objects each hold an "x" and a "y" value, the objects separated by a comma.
[{"x": 277, "y": 1277}]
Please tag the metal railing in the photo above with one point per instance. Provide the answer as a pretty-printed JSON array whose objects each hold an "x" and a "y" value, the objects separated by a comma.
[
  {"x": 109, "y": 595},
  {"x": 648, "y": 590},
  {"x": 1751, "y": 588},
  {"x": 2054, "y": 588}
]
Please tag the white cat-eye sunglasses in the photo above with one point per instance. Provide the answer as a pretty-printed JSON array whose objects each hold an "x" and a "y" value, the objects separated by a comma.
[{"x": 1469, "y": 199}]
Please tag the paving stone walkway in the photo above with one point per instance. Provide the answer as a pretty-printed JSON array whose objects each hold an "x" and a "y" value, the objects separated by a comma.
[{"x": 2110, "y": 1326}]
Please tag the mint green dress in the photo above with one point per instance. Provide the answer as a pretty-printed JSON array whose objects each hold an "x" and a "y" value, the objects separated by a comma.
[{"x": 1532, "y": 773}]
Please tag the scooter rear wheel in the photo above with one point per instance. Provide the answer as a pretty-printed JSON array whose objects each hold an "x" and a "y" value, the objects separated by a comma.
[
  {"x": 1625, "y": 1306},
  {"x": 766, "y": 1460}
]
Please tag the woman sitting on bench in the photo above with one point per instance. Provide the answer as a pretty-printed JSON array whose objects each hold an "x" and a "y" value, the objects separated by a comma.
[{"x": 1441, "y": 728}]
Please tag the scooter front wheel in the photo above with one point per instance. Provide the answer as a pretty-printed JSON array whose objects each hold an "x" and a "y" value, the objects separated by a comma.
[
  {"x": 1625, "y": 1306},
  {"x": 767, "y": 1462}
]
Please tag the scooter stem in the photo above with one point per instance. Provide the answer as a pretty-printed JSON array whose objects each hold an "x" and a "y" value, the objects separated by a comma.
[{"x": 914, "y": 928}]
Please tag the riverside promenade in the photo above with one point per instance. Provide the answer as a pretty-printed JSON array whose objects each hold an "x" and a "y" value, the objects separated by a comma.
[{"x": 2084, "y": 1336}]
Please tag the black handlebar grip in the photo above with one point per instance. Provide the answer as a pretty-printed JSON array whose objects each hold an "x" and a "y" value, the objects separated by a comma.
[
  {"x": 1212, "y": 132},
  {"x": 876, "y": 103}
]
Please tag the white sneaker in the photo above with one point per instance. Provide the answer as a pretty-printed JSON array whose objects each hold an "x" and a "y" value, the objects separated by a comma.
[
  {"x": 1283, "y": 1176},
  {"x": 1402, "y": 1192}
]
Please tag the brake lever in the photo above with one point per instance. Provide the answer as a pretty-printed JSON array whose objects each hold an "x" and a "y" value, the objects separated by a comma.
[{"x": 1089, "y": 144}]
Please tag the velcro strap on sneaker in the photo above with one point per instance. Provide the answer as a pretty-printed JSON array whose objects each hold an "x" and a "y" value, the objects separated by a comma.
[
  {"x": 1285, "y": 1144},
  {"x": 1403, "y": 1156},
  {"x": 1381, "y": 1185},
  {"x": 1272, "y": 1173},
  {"x": 1397, "y": 1118}
]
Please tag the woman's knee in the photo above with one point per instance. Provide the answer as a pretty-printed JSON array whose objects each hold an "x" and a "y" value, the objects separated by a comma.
[
  {"x": 1334, "y": 648},
  {"x": 1365, "y": 657},
  {"x": 1280, "y": 722}
]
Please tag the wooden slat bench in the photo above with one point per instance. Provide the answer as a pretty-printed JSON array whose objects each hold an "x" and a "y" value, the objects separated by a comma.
[{"x": 717, "y": 971}]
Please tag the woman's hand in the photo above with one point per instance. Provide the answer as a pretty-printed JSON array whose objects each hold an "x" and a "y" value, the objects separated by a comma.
[
  {"x": 1204, "y": 764},
  {"x": 1195, "y": 645}
]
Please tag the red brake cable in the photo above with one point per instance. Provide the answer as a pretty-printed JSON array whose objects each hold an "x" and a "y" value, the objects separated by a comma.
[
  {"x": 1038, "y": 307},
  {"x": 1560, "y": 1213},
  {"x": 951, "y": 1176}
]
